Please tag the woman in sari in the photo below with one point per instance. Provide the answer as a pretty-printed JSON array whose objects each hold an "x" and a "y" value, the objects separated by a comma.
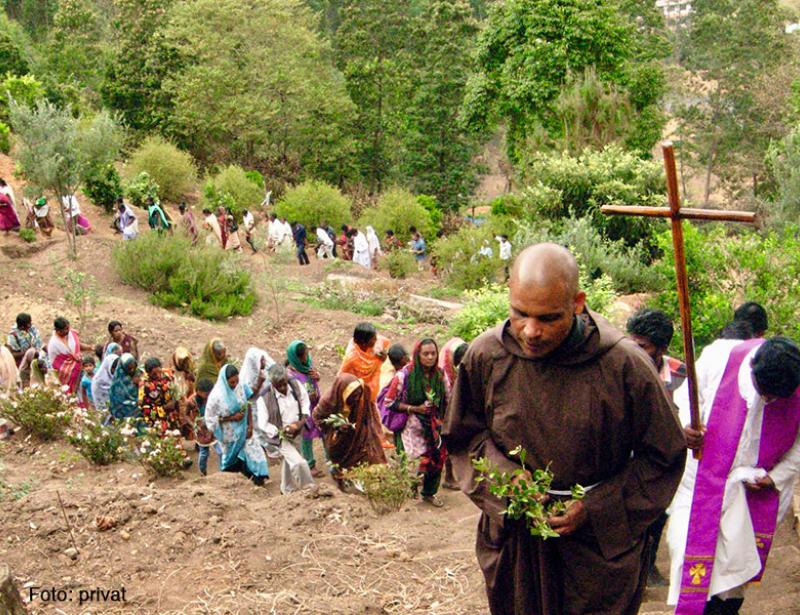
[
  {"x": 212, "y": 359},
  {"x": 251, "y": 370},
  {"x": 222, "y": 222},
  {"x": 101, "y": 383},
  {"x": 9, "y": 221},
  {"x": 301, "y": 369},
  {"x": 419, "y": 391},
  {"x": 450, "y": 358},
  {"x": 118, "y": 335},
  {"x": 234, "y": 242},
  {"x": 211, "y": 223},
  {"x": 229, "y": 417},
  {"x": 356, "y": 442},
  {"x": 184, "y": 379},
  {"x": 9, "y": 375},
  {"x": 124, "y": 393},
  {"x": 72, "y": 211},
  {"x": 157, "y": 398},
  {"x": 64, "y": 354},
  {"x": 374, "y": 246}
]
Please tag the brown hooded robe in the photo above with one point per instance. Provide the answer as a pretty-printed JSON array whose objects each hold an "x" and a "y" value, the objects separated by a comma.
[{"x": 596, "y": 411}]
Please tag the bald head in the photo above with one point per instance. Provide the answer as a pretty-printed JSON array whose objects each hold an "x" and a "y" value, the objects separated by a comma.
[{"x": 546, "y": 265}]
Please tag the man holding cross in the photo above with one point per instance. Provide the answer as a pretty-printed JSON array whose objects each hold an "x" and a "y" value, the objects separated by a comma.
[
  {"x": 723, "y": 517},
  {"x": 559, "y": 380}
]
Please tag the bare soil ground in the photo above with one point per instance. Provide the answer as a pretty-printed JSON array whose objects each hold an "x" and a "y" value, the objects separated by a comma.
[{"x": 218, "y": 545}]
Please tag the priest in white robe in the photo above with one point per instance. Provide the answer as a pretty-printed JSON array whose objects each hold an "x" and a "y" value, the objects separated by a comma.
[
  {"x": 361, "y": 249},
  {"x": 728, "y": 504}
]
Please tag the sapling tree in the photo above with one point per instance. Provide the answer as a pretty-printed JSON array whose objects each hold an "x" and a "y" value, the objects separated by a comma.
[{"x": 56, "y": 149}]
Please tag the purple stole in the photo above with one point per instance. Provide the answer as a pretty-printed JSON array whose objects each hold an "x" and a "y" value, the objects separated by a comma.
[{"x": 779, "y": 427}]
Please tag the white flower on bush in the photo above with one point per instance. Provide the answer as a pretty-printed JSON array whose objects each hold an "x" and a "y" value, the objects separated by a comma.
[{"x": 64, "y": 388}]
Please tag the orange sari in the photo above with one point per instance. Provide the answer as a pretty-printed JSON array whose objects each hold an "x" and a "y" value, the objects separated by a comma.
[{"x": 365, "y": 365}]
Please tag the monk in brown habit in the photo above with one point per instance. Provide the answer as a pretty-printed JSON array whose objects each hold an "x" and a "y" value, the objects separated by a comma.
[{"x": 559, "y": 380}]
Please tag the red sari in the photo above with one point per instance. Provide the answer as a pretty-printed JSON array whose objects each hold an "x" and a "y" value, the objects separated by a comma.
[{"x": 65, "y": 358}]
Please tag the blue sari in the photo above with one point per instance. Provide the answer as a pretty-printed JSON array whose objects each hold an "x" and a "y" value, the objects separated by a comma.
[{"x": 232, "y": 435}]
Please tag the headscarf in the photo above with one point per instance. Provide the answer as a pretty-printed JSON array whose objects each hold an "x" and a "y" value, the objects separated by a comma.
[
  {"x": 302, "y": 367},
  {"x": 365, "y": 364},
  {"x": 104, "y": 378},
  {"x": 209, "y": 364},
  {"x": 251, "y": 367},
  {"x": 419, "y": 383},
  {"x": 446, "y": 363},
  {"x": 182, "y": 360},
  {"x": 124, "y": 392},
  {"x": 225, "y": 401}
]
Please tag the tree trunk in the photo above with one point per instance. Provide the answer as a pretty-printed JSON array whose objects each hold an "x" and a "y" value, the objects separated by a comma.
[
  {"x": 69, "y": 228},
  {"x": 10, "y": 600}
]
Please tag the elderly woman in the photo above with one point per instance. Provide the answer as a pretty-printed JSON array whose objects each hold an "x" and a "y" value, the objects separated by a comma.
[
  {"x": 213, "y": 358},
  {"x": 357, "y": 440},
  {"x": 183, "y": 375},
  {"x": 124, "y": 391},
  {"x": 252, "y": 369},
  {"x": 101, "y": 383},
  {"x": 419, "y": 391},
  {"x": 228, "y": 417},
  {"x": 301, "y": 369},
  {"x": 282, "y": 412}
]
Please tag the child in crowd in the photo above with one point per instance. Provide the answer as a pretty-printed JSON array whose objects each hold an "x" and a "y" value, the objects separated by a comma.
[
  {"x": 85, "y": 388},
  {"x": 205, "y": 439}
]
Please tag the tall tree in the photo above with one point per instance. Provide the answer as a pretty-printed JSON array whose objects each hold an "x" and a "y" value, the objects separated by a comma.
[
  {"x": 437, "y": 152},
  {"x": 734, "y": 50},
  {"x": 372, "y": 49},
  {"x": 530, "y": 49},
  {"x": 139, "y": 63},
  {"x": 257, "y": 86}
]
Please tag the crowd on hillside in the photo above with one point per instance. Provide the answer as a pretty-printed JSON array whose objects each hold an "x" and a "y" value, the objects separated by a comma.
[{"x": 383, "y": 397}]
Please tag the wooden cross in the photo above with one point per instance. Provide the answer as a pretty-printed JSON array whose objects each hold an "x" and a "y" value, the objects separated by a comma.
[{"x": 676, "y": 214}]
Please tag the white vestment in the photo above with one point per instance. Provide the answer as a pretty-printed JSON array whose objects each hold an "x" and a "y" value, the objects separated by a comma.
[
  {"x": 361, "y": 251},
  {"x": 736, "y": 560}
]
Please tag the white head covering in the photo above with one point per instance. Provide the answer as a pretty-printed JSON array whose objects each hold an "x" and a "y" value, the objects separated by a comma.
[
  {"x": 251, "y": 367},
  {"x": 101, "y": 383}
]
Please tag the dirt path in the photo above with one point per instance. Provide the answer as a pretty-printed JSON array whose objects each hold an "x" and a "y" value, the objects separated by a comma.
[{"x": 216, "y": 544}]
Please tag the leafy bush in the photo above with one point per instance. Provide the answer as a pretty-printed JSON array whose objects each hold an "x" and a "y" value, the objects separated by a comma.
[
  {"x": 432, "y": 206},
  {"x": 397, "y": 210},
  {"x": 560, "y": 185},
  {"x": 172, "y": 169},
  {"x": 161, "y": 456},
  {"x": 13, "y": 47},
  {"x": 27, "y": 235},
  {"x": 24, "y": 90},
  {"x": 44, "y": 411},
  {"x": 204, "y": 280},
  {"x": 336, "y": 296},
  {"x": 728, "y": 269},
  {"x": 386, "y": 485},
  {"x": 313, "y": 202},
  {"x": 5, "y": 138},
  {"x": 100, "y": 444},
  {"x": 234, "y": 182},
  {"x": 140, "y": 187},
  {"x": 626, "y": 266},
  {"x": 458, "y": 260},
  {"x": 783, "y": 163},
  {"x": 399, "y": 263},
  {"x": 102, "y": 185}
]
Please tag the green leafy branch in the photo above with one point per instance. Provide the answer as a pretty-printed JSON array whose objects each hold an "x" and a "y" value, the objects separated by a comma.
[{"x": 526, "y": 493}]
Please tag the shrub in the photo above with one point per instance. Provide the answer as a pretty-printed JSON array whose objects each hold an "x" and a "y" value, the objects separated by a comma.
[
  {"x": 336, "y": 296},
  {"x": 626, "y": 266},
  {"x": 140, "y": 187},
  {"x": 102, "y": 185},
  {"x": 204, "y": 280},
  {"x": 5, "y": 138},
  {"x": 27, "y": 235},
  {"x": 97, "y": 443},
  {"x": 313, "y": 202},
  {"x": 386, "y": 485},
  {"x": 727, "y": 269},
  {"x": 232, "y": 181},
  {"x": 44, "y": 411},
  {"x": 398, "y": 209},
  {"x": 24, "y": 90},
  {"x": 172, "y": 169},
  {"x": 399, "y": 263},
  {"x": 160, "y": 455},
  {"x": 431, "y": 205},
  {"x": 560, "y": 185},
  {"x": 459, "y": 263}
]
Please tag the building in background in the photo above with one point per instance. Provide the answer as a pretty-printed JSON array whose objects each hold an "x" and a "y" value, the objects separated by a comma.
[{"x": 676, "y": 12}]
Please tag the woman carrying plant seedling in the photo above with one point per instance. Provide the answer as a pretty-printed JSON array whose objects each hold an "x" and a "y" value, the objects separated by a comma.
[
  {"x": 124, "y": 391},
  {"x": 349, "y": 432},
  {"x": 229, "y": 417},
  {"x": 418, "y": 390}
]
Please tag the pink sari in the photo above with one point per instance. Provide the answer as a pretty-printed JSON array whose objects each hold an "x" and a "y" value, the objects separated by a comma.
[
  {"x": 9, "y": 221},
  {"x": 66, "y": 359}
]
